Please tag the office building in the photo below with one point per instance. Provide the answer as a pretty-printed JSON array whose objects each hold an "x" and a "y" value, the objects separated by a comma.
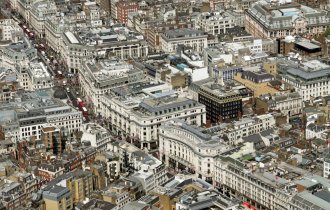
[
  {"x": 53, "y": 138},
  {"x": 38, "y": 13},
  {"x": 259, "y": 82},
  {"x": 187, "y": 148},
  {"x": 216, "y": 22},
  {"x": 289, "y": 104},
  {"x": 57, "y": 198},
  {"x": 95, "y": 42},
  {"x": 195, "y": 39},
  {"x": 9, "y": 30},
  {"x": 222, "y": 102},
  {"x": 139, "y": 118},
  {"x": 310, "y": 79},
  {"x": 124, "y": 8},
  {"x": 29, "y": 111},
  {"x": 12, "y": 195},
  {"x": 36, "y": 77},
  {"x": 99, "y": 77},
  {"x": 17, "y": 53},
  {"x": 277, "y": 19},
  {"x": 98, "y": 136}
]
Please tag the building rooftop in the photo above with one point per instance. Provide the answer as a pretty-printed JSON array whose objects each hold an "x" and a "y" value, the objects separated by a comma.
[
  {"x": 96, "y": 204},
  {"x": 39, "y": 71},
  {"x": 280, "y": 14},
  {"x": 308, "y": 45},
  {"x": 135, "y": 205},
  {"x": 162, "y": 105},
  {"x": 257, "y": 77},
  {"x": 102, "y": 37},
  {"x": 314, "y": 65},
  {"x": 307, "y": 75},
  {"x": 56, "y": 192},
  {"x": 313, "y": 201},
  {"x": 183, "y": 33},
  {"x": 198, "y": 138}
]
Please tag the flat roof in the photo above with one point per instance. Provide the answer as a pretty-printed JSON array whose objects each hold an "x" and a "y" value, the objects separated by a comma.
[
  {"x": 317, "y": 202},
  {"x": 72, "y": 38},
  {"x": 308, "y": 75},
  {"x": 308, "y": 45}
]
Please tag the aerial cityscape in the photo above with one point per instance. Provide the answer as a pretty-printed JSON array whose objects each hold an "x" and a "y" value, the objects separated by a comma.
[{"x": 165, "y": 104}]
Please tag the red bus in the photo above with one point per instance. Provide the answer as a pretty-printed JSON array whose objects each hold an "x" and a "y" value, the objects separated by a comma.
[
  {"x": 80, "y": 104},
  {"x": 31, "y": 35},
  {"x": 79, "y": 100},
  {"x": 84, "y": 111}
]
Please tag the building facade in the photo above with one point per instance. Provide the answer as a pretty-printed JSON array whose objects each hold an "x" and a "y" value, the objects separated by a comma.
[
  {"x": 221, "y": 104},
  {"x": 289, "y": 104},
  {"x": 216, "y": 23},
  {"x": 124, "y": 7},
  {"x": 276, "y": 20},
  {"x": 195, "y": 39},
  {"x": 39, "y": 12},
  {"x": 309, "y": 82},
  {"x": 185, "y": 147},
  {"x": 98, "y": 78},
  {"x": 139, "y": 120}
]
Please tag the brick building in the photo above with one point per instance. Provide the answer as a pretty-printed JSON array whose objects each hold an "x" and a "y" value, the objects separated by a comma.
[{"x": 124, "y": 8}]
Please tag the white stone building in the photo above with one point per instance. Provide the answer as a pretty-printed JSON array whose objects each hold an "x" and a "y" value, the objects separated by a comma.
[
  {"x": 195, "y": 39},
  {"x": 311, "y": 79},
  {"x": 139, "y": 117},
  {"x": 54, "y": 27},
  {"x": 148, "y": 170},
  {"x": 257, "y": 184},
  {"x": 9, "y": 30},
  {"x": 98, "y": 136},
  {"x": 216, "y": 22},
  {"x": 288, "y": 103},
  {"x": 98, "y": 78},
  {"x": 100, "y": 43},
  {"x": 24, "y": 117},
  {"x": 23, "y": 8},
  {"x": 17, "y": 53},
  {"x": 39, "y": 12},
  {"x": 185, "y": 147},
  {"x": 244, "y": 127},
  {"x": 38, "y": 77},
  {"x": 315, "y": 131}
]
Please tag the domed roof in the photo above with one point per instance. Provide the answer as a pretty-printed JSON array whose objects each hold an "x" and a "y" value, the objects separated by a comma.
[{"x": 60, "y": 93}]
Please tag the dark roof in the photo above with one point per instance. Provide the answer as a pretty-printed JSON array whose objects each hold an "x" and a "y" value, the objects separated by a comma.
[
  {"x": 267, "y": 132},
  {"x": 275, "y": 82},
  {"x": 309, "y": 75},
  {"x": 255, "y": 138},
  {"x": 257, "y": 77},
  {"x": 316, "y": 128},
  {"x": 96, "y": 204},
  {"x": 57, "y": 189},
  {"x": 50, "y": 167},
  {"x": 60, "y": 93},
  {"x": 325, "y": 195}
]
